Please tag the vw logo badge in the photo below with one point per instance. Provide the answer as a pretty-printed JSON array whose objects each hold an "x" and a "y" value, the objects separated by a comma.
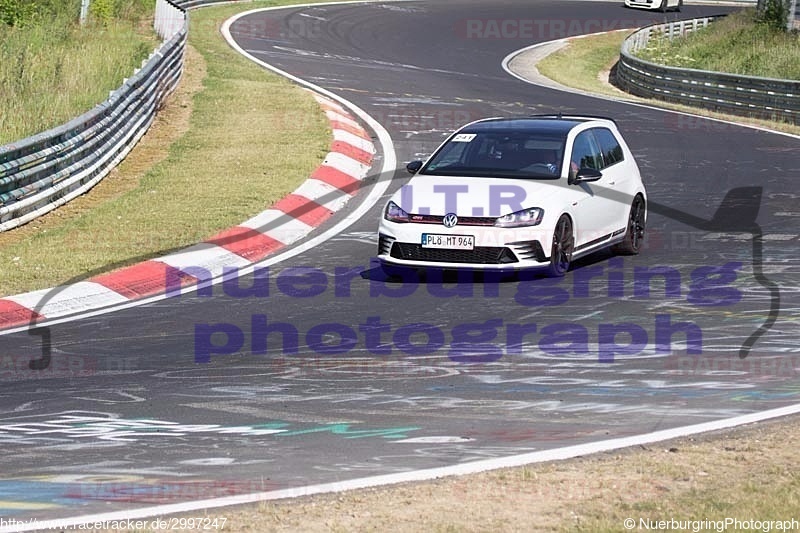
[{"x": 450, "y": 220}]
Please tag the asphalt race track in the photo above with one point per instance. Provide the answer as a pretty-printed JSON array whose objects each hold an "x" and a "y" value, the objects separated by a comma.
[{"x": 325, "y": 371}]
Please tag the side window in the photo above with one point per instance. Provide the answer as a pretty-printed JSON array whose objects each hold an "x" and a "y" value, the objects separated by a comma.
[
  {"x": 612, "y": 151},
  {"x": 585, "y": 152}
]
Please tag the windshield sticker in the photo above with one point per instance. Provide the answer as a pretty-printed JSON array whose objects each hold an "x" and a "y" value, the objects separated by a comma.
[{"x": 464, "y": 137}]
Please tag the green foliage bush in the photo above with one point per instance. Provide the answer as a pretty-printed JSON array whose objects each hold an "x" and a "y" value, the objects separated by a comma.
[
  {"x": 103, "y": 10},
  {"x": 26, "y": 12},
  {"x": 775, "y": 14}
]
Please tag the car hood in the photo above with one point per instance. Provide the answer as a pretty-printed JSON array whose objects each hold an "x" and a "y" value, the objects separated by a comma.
[{"x": 465, "y": 196}]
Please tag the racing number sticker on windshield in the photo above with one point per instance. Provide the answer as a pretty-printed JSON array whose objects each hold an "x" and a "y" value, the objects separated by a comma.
[{"x": 464, "y": 137}]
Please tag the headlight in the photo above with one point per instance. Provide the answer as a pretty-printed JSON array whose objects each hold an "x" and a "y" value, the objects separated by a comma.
[
  {"x": 526, "y": 217},
  {"x": 394, "y": 213}
]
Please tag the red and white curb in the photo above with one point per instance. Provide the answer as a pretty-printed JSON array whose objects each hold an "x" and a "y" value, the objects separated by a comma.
[{"x": 326, "y": 191}]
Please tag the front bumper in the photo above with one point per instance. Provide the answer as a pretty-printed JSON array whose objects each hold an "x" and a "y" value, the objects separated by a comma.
[{"x": 495, "y": 248}]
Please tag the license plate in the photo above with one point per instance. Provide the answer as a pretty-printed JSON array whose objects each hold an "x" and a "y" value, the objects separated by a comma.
[{"x": 448, "y": 242}]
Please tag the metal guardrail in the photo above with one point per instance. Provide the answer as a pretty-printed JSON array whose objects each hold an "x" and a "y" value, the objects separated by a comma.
[
  {"x": 44, "y": 171},
  {"x": 768, "y": 98},
  {"x": 793, "y": 22}
]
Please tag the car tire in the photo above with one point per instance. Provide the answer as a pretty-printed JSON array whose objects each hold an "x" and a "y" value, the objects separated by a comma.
[
  {"x": 562, "y": 247},
  {"x": 634, "y": 233}
]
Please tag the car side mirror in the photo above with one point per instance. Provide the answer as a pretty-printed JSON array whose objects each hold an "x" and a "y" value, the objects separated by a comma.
[
  {"x": 414, "y": 166},
  {"x": 585, "y": 175}
]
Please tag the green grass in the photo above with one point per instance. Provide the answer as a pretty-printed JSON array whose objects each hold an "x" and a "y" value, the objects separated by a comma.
[
  {"x": 579, "y": 64},
  {"x": 736, "y": 44},
  {"x": 758, "y": 496},
  {"x": 253, "y": 137},
  {"x": 52, "y": 69}
]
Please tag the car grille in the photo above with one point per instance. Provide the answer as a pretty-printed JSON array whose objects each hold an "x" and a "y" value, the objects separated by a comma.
[
  {"x": 462, "y": 221},
  {"x": 487, "y": 255}
]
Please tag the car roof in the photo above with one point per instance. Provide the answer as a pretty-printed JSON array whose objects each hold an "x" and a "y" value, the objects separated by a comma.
[{"x": 553, "y": 124}]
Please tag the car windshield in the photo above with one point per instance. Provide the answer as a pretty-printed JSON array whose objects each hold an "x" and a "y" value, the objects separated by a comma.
[{"x": 502, "y": 154}]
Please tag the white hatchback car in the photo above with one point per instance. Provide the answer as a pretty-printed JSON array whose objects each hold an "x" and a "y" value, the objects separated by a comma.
[
  {"x": 517, "y": 193},
  {"x": 661, "y": 5}
]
